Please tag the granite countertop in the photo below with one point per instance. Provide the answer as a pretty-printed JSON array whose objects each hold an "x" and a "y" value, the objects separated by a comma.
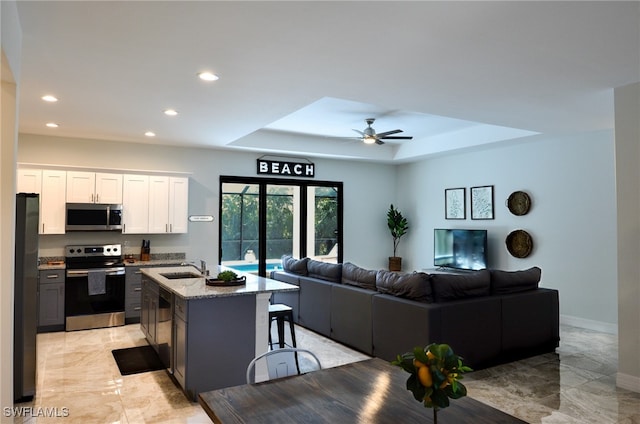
[
  {"x": 47, "y": 267},
  {"x": 195, "y": 288},
  {"x": 153, "y": 262},
  {"x": 157, "y": 259}
]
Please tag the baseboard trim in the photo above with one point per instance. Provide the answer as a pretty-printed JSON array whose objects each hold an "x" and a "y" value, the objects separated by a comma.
[
  {"x": 604, "y": 327},
  {"x": 629, "y": 382}
]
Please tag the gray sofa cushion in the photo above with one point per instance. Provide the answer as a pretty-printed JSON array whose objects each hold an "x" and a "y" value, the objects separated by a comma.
[
  {"x": 448, "y": 287},
  {"x": 353, "y": 275},
  {"x": 324, "y": 271},
  {"x": 505, "y": 282},
  {"x": 296, "y": 266},
  {"x": 413, "y": 286}
]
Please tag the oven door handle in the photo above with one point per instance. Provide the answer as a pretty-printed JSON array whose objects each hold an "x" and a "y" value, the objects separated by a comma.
[{"x": 85, "y": 272}]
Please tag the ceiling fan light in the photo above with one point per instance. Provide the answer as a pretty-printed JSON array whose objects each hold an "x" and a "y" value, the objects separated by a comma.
[{"x": 369, "y": 140}]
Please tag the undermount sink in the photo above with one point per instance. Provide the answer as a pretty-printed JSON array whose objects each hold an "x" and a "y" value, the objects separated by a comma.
[{"x": 180, "y": 275}]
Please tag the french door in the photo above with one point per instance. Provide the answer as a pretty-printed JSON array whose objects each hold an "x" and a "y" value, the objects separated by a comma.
[{"x": 262, "y": 219}]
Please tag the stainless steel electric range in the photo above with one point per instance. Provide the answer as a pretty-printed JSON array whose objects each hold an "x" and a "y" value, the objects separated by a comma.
[{"x": 94, "y": 287}]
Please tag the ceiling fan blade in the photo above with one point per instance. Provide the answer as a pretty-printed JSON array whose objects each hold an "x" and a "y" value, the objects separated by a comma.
[
  {"x": 386, "y": 133},
  {"x": 379, "y": 142},
  {"x": 398, "y": 138},
  {"x": 360, "y": 132}
]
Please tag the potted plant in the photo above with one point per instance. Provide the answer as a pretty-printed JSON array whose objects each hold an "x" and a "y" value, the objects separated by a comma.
[
  {"x": 398, "y": 226},
  {"x": 435, "y": 374}
]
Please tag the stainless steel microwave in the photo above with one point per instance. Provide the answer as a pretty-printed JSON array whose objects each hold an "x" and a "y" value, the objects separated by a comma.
[{"x": 93, "y": 217}]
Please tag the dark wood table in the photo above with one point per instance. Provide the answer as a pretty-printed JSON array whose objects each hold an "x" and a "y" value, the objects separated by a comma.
[{"x": 370, "y": 391}]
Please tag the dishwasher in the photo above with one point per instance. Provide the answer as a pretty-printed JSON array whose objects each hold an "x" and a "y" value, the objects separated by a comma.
[{"x": 164, "y": 334}]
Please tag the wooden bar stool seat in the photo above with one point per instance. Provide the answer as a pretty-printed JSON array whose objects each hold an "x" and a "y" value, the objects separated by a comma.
[{"x": 281, "y": 312}]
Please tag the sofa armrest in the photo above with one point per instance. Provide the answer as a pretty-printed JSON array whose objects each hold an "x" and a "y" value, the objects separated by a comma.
[
  {"x": 351, "y": 316},
  {"x": 286, "y": 277},
  {"x": 315, "y": 305},
  {"x": 530, "y": 323}
]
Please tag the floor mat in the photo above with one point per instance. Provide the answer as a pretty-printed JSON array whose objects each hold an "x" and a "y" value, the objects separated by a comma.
[{"x": 134, "y": 360}]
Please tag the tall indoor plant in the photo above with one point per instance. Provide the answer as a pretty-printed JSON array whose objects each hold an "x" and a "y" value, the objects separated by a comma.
[{"x": 398, "y": 226}]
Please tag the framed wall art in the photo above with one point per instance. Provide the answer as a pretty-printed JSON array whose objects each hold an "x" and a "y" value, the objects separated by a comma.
[
  {"x": 455, "y": 203},
  {"x": 482, "y": 202}
]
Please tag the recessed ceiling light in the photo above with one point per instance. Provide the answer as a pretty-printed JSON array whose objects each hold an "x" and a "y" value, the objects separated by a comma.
[
  {"x": 49, "y": 98},
  {"x": 170, "y": 112},
  {"x": 52, "y": 125},
  {"x": 150, "y": 134},
  {"x": 208, "y": 76}
]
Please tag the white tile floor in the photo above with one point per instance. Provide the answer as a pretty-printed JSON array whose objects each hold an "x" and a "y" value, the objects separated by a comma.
[{"x": 77, "y": 375}]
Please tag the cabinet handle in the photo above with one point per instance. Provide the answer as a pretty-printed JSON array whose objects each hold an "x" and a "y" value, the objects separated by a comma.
[
  {"x": 137, "y": 308},
  {"x": 51, "y": 276},
  {"x": 97, "y": 198},
  {"x": 171, "y": 228},
  {"x": 138, "y": 272},
  {"x": 138, "y": 289}
]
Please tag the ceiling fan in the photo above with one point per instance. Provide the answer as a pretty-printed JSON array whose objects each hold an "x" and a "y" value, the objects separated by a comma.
[{"x": 369, "y": 135}]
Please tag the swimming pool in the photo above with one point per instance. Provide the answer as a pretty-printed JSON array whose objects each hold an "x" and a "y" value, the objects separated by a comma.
[{"x": 253, "y": 267}]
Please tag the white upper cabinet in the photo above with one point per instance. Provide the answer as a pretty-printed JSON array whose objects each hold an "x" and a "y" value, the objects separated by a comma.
[
  {"x": 92, "y": 187},
  {"x": 29, "y": 181},
  {"x": 51, "y": 186},
  {"x": 178, "y": 204},
  {"x": 52, "y": 202},
  {"x": 168, "y": 204},
  {"x": 135, "y": 204},
  {"x": 155, "y": 204},
  {"x": 158, "y": 204}
]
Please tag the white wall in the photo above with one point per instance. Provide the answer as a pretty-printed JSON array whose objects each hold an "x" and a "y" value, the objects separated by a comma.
[
  {"x": 627, "y": 104},
  {"x": 368, "y": 190},
  {"x": 11, "y": 37},
  {"x": 572, "y": 220}
]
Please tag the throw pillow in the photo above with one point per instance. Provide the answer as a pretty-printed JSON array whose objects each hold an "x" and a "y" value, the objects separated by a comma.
[
  {"x": 296, "y": 266},
  {"x": 448, "y": 287},
  {"x": 324, "y": 270},
  {"x": 353, "y": 275},
  {"x": 504, "y": 282},
  {"x": 415, "y": 286}
]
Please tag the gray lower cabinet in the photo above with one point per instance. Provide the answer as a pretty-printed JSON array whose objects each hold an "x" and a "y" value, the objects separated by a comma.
[
  {"x": 133, "y": 298},
  {"x": 179, "y": 344},
  {"x": 51, "y": 300},
  {"x": 213, "y": 342},
  {"x": 149, "y": 309}
]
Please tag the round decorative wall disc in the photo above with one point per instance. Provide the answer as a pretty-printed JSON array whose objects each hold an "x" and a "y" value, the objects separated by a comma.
[
  {"x": 519, "y": 243},
  {"x": 519, "y": 203}
]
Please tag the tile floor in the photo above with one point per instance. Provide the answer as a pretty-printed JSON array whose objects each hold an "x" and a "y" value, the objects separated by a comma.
[{"x": 76, "y": 371}]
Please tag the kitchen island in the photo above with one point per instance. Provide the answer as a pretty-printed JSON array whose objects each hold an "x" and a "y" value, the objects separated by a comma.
[{"x": 206, "y": 335}]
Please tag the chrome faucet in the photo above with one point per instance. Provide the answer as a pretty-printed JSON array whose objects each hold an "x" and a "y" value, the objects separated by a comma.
[{"x": 203, "y": 267}]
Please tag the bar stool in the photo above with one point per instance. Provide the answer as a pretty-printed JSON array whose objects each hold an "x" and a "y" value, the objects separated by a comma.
[{"x": 281, "y": 312}]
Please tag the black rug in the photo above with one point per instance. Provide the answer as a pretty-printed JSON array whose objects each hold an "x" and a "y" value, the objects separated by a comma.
[{"x": 134, "y": 360}]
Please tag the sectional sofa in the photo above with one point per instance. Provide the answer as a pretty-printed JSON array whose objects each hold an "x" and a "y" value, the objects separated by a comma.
[{"x": 488, "y": 316}]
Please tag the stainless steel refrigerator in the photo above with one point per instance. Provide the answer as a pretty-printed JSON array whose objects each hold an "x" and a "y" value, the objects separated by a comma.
[{"x": 25, "y": 297}]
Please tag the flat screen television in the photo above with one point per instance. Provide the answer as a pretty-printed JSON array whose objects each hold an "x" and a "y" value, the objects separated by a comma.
[{"x": 460, "y": 249}]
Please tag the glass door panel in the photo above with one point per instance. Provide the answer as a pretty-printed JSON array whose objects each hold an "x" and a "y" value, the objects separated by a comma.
[
  {"x": 283, "y": 224},
  {"x": 322, "y": 223},
  {"x": 240, "y": 226}
]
